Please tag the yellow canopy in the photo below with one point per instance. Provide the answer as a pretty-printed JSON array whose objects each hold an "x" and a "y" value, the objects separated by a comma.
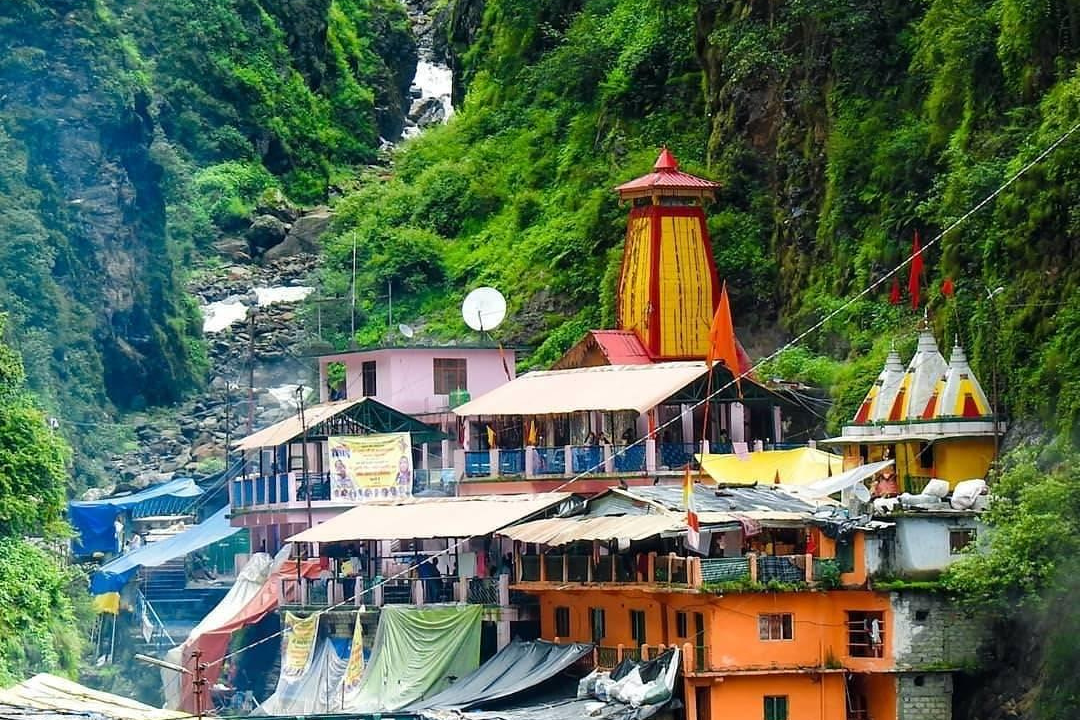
[{"x": 800, "y": 466}]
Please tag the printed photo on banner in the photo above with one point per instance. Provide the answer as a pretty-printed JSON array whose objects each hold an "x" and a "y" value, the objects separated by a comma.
[
  {"x": 371, "y": 467},
  {"x": 355, "y": 669}
]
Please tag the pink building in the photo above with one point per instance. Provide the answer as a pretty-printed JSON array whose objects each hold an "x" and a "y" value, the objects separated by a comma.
[{"x": 418, "y": 381}]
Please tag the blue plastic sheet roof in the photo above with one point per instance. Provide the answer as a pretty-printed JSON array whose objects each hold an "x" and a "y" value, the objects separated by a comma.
[
  {"x": 93, "y": 520},
  {"x": 115, "y": 574}
]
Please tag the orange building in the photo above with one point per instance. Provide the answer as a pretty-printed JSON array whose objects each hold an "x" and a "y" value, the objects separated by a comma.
[{"x": 778, "y": 622}]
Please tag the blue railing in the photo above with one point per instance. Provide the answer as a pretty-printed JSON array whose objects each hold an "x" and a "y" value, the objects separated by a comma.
[
  {"x": 511, "y": 462},
  {"x": 477, "y": 463},
  {"x": 247, "y": 495},
  {"x": 630, "y": 459},
  {"x": 550, "y": 461},
  {"x": 675, "y": 456},
  {"x": 588, "y": 459}
]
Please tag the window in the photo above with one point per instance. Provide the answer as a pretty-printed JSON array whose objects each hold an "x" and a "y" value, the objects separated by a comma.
[
  {"x": 637, "y": 626},
  {"x": 450, "y": 375},
  {"x": 680, "y": 624},
  {"x": 926, "y": 456},
  {"x": 562, "y": 622},
  {"x": 597, "y": 624},
  {"x": 776, "y": 707},
  {"x": 960, "y": 539},
  {"x": 777, "y": 626},
  {"x": 367, "y": 378},
  {"x": 866, "y": 634},
  {"x": 922, "y": 615}
]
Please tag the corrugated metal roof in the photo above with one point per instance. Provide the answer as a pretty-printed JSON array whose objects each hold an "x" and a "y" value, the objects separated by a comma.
[
  {"x": 421, "y": 518},
  {"x": 767, "y": 499},
  {"x": 46, "y": 692},
  {"x": 621, "y": 347},
  {"x": 289, "y": 428},
  {"x": 611, "y": 388},
  {"x": 560, "y": 531}
]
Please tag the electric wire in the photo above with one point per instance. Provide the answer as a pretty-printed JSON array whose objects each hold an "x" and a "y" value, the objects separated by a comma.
[{"x": 736, "y": 378}]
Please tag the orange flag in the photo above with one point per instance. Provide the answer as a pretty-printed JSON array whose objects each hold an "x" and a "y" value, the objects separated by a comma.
[{"x": 722, "y": 338}]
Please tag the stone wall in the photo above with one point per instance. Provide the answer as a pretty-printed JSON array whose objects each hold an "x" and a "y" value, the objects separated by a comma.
[
  {"x": 926, "y": 696},
  {"x": 931, "y": 631}
]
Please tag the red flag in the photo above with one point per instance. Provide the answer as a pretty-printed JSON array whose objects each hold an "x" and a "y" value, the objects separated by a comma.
[
  {"x": 894, "y": 294},
  {"x": 916, "y": 271},
  {"x": 947, "y": 287},
  {"x": 722, "y": 338}
]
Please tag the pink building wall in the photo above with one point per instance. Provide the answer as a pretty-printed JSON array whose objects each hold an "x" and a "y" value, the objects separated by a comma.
[{"x": 405, "y": 377}]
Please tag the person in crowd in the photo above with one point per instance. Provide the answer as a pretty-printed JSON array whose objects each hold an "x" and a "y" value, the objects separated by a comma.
[
  {"x": 628, "y": 435},
  {"x": 590, "y": 439},
  {"x": 135, "y": 542},
  {"x": 118, "y": 531},
  {"x": 723, "y": 444}
]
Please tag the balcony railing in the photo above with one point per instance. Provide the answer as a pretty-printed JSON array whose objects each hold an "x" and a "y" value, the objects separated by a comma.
[
  {"x": 660, "y": 569},
  {"x": 377, "y": 592}
]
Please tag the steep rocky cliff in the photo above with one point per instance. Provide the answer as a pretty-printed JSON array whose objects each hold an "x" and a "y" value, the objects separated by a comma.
[{"x": 133, "y": 135}]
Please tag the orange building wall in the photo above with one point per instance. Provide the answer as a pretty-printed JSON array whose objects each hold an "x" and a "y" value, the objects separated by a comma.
[
  {"x": 731, "y": 624},
  {"x": 810, "y": 697}
]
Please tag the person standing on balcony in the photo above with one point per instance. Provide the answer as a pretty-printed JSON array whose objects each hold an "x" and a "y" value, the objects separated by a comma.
[
  {"x": 428, "y": 571},
  {"x": 118, "y": 531},
  {"x": 723, "y": 444}
]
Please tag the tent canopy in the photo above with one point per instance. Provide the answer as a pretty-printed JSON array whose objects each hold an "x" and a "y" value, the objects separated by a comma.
[
  {"x": 49, "y": 692},
  {"x": 606, "y": 388},
  {"x": 346, "y": 417},
  {"x": 518, "y": 667},
  {"x": 93, "y": 519},
  {"x": 419, "y": 518},
  {"x": 115, "y": 574},
  {"x": 799, "y": 466}
]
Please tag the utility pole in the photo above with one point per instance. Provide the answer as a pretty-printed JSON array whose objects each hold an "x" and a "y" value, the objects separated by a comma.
[
  {"x": 251, "y": 370},
  {"x": 304, "y": 451},
  {"x": 996, "y": 350},
  {"x": 228, "y": 423}
]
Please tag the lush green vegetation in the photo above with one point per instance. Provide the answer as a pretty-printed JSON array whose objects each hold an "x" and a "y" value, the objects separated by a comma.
[
  {"x": 837, "y": 131},
  {"x": 41, "y": 600}
]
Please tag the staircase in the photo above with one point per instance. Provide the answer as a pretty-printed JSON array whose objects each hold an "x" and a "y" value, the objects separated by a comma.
[{"x": 166, "y": 588}]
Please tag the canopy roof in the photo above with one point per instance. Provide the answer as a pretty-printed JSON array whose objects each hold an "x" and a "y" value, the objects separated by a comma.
[
  {"x": 359, "y": 416},
  {"x": 49, "y": 692},
  {"x": 607, "y": 388},
  {"x": 93, "y": 519},
  {"x": 797, "y": 466},
  {"x": 717, "y": 506},
  {"x": 422, "y": 518},
  {"x": 114, "y": 574},
  {"x": 560, "y": 531}
]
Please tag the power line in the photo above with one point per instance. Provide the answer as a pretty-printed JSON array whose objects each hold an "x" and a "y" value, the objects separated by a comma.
[{"x": 792, "y": 343}]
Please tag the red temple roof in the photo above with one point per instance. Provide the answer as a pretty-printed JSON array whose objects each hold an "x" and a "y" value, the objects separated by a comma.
[
  {"x": 621, "y": 347},
  {"x": 667, "y": 179}
]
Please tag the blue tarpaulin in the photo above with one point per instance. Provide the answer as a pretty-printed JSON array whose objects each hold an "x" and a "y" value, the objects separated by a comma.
[
  {"x": 115, "y": 574},
  {"x": 93, "y": 520}
]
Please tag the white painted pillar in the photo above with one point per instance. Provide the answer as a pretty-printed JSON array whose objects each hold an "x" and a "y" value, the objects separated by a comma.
[
  {"x": 446, "y": 456},
  {"x": 530, "y": 461},
  {"x": 423, "y": 456},
  {"x": 737, "y": 430},
  {"x": 568, "y": 459},
  {"x": 493, "y": 458},
  {"x": 687, "y": 417},
  {"x": 609, "y": 459},
  {"x": 778, "y": 427},
  {"x": 650, "y": 455}
]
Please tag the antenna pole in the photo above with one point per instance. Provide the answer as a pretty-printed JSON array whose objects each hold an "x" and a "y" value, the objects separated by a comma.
[
  {"x": 303, "y": 457},
  {"x": 352, "y": 293},
  {"x": 390, "y": 307}
]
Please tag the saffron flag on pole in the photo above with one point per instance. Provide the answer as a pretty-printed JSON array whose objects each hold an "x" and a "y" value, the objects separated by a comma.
[
  {"x": 916, "y": 271},
  {"x": 722, "y": 338},
  {"x": 532, "y": 433},
  {"x": 693, "y": 527},
  {"x": 490, "y": 436}
]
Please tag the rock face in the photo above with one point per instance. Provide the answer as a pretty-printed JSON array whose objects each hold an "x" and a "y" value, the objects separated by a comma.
[
  {"x": 427, "y": 111},
  {"x": 96, "y": 309}
]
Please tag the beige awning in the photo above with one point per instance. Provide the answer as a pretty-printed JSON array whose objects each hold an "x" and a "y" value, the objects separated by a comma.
[
  {"x": 559, "y": 531},
  {"x": 422, "y": 518},
  {"x": 284, "y": 431},
  {"x": 46, "y": 692},
  {"x": 606, "y": 388}
]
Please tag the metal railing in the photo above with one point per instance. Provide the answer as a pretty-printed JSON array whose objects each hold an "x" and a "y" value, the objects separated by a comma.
[
  {"x": 550, "y": 461},
  {"x": 675, "y": 456},
  {"x": 151, "y": 627},
  {"x": 587, "y": 458},
  {"x": 512, "y": 462},
  {"x": 477, "y": 463},
  {"x": 781, "y": 568},
  {"x": 569, "y": 568},
  {"x": 630, "y": 459}
]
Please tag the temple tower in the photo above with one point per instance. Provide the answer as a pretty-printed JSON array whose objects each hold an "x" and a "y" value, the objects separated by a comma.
[{"x": 668, "y": 288}]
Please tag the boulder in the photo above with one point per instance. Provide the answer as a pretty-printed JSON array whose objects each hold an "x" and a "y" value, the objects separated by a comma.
[
  {"x": 427, "y": 111},
  {"x": 303, "y": 236},
  {"x": 236, "y": 249},
  {"x": 265, "y": 232}
]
